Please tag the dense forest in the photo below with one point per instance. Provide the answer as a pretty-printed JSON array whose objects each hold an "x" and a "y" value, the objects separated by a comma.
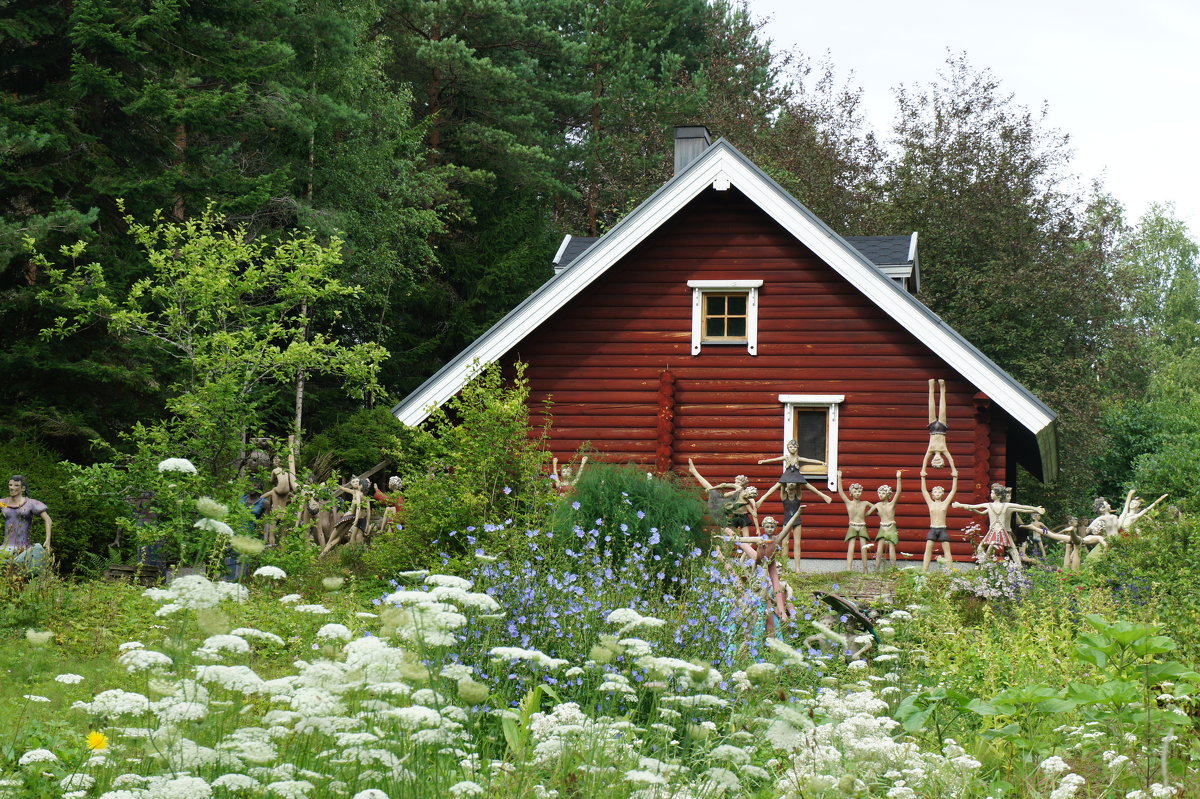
[{"x": 399, "y": 173}]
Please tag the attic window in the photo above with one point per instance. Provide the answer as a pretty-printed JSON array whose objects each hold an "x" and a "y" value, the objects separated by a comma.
[{"x": 725, "y": 312}]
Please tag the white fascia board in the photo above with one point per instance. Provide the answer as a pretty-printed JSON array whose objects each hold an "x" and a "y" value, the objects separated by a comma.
[
  {"x": 724, "y": 284},
  {"x": 811, "y": 399},
  {"x": 562, "y": 248}
]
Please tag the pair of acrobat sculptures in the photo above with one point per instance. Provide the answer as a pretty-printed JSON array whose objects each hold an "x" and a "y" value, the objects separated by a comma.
[{"x": 937, "y": 500}]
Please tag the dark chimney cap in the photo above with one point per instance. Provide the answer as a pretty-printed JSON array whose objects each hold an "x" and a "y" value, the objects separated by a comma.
[{"x": 690, "y": 142}]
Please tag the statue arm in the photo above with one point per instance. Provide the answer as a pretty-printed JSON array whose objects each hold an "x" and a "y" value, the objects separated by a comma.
[
  {"x": 1027, "y": 508},
  {"x": 46, "y": 518},
  {"x": 578, "y": 474},
  {"x": 841, "y": 493},
  {"x": 771, "y": 460},
  {"x": 759, "y": 502}
]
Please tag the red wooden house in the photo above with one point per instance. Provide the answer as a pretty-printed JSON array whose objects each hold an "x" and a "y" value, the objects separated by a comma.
[{"x": 722, "y": 318}]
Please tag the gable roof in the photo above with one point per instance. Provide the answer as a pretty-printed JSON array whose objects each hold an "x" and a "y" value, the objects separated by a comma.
[{"x": 719, "y": 167}]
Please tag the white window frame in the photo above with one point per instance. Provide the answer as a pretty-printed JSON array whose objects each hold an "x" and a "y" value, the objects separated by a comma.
[
  {"x": 831, "y": 403},
  {"x": 701, "y": 287}
]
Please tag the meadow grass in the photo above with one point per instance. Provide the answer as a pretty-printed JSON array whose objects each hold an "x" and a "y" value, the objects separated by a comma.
[{"x": 570, "y": 673}]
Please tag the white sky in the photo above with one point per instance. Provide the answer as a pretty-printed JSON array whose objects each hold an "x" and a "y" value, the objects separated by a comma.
[{"x": 1122, "y": 78}]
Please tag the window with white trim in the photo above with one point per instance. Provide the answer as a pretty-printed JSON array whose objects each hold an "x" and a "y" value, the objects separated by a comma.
[
  {"x": 725, "y": 312},
  {"x": 812, "y": 419}
]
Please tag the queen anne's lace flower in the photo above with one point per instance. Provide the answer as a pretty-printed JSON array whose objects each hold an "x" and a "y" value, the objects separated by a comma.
[{"x": 37, "y": 756}]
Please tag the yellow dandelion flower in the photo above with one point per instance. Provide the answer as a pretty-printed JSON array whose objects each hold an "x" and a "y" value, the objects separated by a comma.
[{"x": 97, "y": 741}]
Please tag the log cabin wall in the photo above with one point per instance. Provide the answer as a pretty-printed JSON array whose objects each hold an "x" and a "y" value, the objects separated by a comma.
[{"x": 600, "y": 359}]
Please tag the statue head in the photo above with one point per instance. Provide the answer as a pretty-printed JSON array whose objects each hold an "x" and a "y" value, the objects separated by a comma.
[
  {"x": 741, "y": 480},
  {"x": 395, "y": 483},
  {"x": 1101, "y": 506},
  {"x": 750, "y": 492},
  {"x": 769, "y": 524},
  {"x": 999, "y": 492},
  {"x": 1135, "y": 503},
  {"x": 937, "y": 461},
  {"x": 884, "y": 492},
  {"x": 793, "y": 446},
  {"x": 17, "y": 485},
  {"x": 855, "y": 490},
  {"x": 937, "y": 492}
]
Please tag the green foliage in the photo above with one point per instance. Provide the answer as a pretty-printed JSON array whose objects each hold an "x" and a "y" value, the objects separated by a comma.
[
  {"x": 232, "y": 310},
  {"x": 355, "y": 443},
  {"x": 636, "y": 506},
  {"x": 81, "y": 523},
  {"x": 475, "y": 462}
]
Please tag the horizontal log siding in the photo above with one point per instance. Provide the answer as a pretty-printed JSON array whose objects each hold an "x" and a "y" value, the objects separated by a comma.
[{"x": 599, "y": 360}]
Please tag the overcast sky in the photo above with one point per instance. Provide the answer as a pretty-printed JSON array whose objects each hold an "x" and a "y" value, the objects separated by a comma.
[{"x": 1121, "y": 78}]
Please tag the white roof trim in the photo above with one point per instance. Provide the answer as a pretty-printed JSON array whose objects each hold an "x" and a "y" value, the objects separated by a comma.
[
  {"x": 562, "y": 248},
  {"x": 725, "y": 284},
  {"x": 722, "y": 161},
  {"x": 811, "y": 399}
]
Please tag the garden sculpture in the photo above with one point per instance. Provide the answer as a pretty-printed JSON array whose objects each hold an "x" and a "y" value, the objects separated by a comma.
[
  {"x": 1073, "y": 541},
  {"x": 888, "y": 535},
  {"x": 1029, "y": 538},
  {"x": 1106, "y": 522},
  {"x": 352, "y": 525},
  {"x": 938, "y": 502},
  {"x": 856, "y": 627},
  {"x": 567, "y": 478},
  {"x": 730, "y": 509},
  {"x": 857, "y": 510},
  {"x": 766, "y": 551},
  {"x": 19, "y": 510},
  {"x": 792, "y": 475},
  {"x": 320, "y": 515},
  {"x": 937, "y": 453},
  {"x": 283, "y": 487},
  {"x": 1133, "y": 511},
  {"x": 999, "y": 512},
  {"x": 392, "y": 502}
]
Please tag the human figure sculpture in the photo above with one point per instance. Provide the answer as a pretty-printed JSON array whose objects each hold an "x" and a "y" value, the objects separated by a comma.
[
  {"x": 320, "y": 515},
  {"x": 791, "y": 471},
  {"x": 888, "y": 535},
  {"x": 937, "y": 453},
  {"x": 391, "y": 502},
  {"x": 283, "y": 488},
  {"x": 857, "y": 510},
  {"x": 567, "y": 478},
  {"x": 938, "y": 502},
  {"x": 1106, "y": 522},
  {"x": 352, "y": 525},
  {"x": 19, "y": 511},
  {"x": 732, "y": 509},
  {"x": 999, "y": 511},
  {"x": 1030, "y": 537},
  {"x": 1133, "y": 511},
  {"x": 1073, "y": 540},
  {"x": 766, "y": 552}
]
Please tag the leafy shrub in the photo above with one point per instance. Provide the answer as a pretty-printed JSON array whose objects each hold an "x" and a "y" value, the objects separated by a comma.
[
  {"x": 356, "y": 442},
  {"x": 659, "y": 512},
  {"x": 476, "y": 459},
  {"x": 1157, "y": 565}
]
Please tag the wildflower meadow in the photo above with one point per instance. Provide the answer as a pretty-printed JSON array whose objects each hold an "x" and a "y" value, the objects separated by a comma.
[{"x": 567, "y": 672}]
